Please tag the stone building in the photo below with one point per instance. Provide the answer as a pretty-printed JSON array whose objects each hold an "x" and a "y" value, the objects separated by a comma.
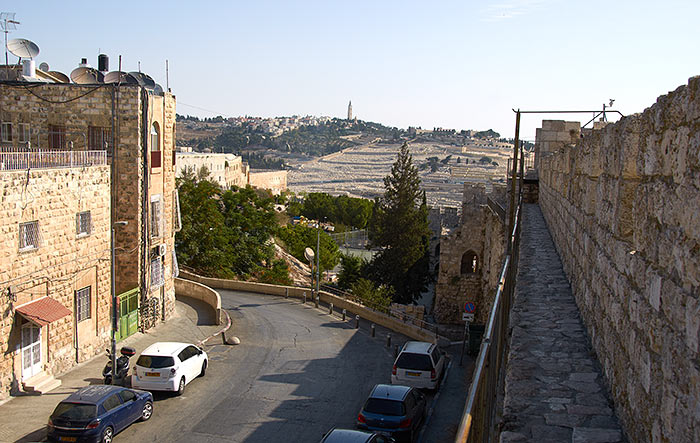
[
  {"x": 225, "y": 169},
  {"x": 77, "y": 160},
  {"x": 275, "y": 181},
  {"x": 471, "y": 256}
]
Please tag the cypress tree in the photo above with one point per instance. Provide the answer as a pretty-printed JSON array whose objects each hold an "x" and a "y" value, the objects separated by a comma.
[{"x": 400, "y": 230}]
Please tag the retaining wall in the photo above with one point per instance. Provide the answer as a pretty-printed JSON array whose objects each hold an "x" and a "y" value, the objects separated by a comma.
[
  {"x": 200, "y": 292},
  {"x": 339, "y": 303}
]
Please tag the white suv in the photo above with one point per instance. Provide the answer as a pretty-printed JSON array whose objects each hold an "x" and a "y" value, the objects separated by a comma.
[
  {"x": 419, "y": 365},
  {"x": 168, "y": 366}
]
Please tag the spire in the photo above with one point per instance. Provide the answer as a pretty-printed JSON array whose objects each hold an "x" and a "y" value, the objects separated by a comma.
[{"x": 350, "y": 110}]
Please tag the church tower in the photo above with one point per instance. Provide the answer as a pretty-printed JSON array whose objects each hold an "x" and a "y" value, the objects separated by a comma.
[{"x": 350, "y": 110}]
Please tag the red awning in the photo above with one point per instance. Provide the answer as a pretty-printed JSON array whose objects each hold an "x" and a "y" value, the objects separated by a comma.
[{"x": 43, "y": 311}]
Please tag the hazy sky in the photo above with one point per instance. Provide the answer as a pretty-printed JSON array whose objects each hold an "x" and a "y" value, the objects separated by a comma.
[{"x": 458, "y": 64}]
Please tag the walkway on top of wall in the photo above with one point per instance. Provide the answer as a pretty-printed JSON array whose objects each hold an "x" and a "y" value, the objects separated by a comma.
[{"x": 554, "y": 389}]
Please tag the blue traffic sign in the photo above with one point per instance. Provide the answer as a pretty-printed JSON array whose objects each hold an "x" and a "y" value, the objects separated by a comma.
[{"x": 469, "y": 307}]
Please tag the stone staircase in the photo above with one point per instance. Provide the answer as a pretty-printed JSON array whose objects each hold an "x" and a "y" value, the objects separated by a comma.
[{"x": 40, "y": 383}]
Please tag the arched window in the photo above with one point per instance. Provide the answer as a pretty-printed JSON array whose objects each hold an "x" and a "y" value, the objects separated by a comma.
[
  {"x": 155, "y": 146},
  {"x": 470, "y": 263}
]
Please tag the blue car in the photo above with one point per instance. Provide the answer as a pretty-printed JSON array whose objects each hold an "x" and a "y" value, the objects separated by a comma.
[
  {"x": 96, "y": 413},
  {"x": 395, "y": 410}
]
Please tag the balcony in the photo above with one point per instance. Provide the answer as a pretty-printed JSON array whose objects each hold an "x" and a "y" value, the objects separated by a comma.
[{"x": 14, "y": 160}]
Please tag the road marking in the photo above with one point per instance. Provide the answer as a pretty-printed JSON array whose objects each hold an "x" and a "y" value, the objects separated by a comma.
[{"x": 434, "y": 402}]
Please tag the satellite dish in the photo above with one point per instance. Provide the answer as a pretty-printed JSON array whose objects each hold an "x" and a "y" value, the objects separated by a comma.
[
  {"x": 120, "y": 77},
  {"x": 23, "y": 48},
  {"x": 158, "y": 90},
  {"x": 61, "y": 76},
  {"x": 144, "y": 80},
  {"x": 309, "y": 254},
  {"x": 44, "y": 66},
  {"x": 86, "y": 76}
]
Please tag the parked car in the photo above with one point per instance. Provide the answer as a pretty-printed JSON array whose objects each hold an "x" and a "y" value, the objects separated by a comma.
[
  {"x": 419, "y": 364},
  {"x": 336, "y": 435},
  {"x": 98, "y": 412},
  {"x": 395, "y": 410},
  {"x": 169, "y": 366}
]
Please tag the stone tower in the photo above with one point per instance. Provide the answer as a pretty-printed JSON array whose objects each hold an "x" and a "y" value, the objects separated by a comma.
[{"x": 350, "y": 110}]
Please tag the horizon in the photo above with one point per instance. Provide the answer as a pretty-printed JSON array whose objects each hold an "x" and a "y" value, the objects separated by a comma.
[{"x": 449, "y": 65}]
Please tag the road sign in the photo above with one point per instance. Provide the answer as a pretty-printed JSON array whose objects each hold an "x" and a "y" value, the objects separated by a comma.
[
  {"x": 469, "y": 307},
  {"x": 467, "y": 317}
]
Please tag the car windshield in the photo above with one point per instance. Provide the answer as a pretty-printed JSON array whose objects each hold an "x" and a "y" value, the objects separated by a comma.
[
  {"x": 384, "y": 406},
  {"x": 417, "y": 362},
  {"x": 155, "y": 361},
  {"x": 75, "y": 411}
]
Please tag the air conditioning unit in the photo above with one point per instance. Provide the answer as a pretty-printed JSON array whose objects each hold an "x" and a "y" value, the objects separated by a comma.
[{"x": 161, "y": 249}]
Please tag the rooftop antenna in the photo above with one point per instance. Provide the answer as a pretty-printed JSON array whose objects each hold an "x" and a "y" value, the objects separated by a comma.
[{"x": 8, "y": 23}]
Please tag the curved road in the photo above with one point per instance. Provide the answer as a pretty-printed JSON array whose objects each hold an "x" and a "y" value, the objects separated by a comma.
[{"x": 297, "y": 373}]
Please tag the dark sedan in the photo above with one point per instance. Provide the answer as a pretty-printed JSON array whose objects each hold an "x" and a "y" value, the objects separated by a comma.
[
  {"x": 395, "y": 410},
  {"x": 96, "y": 413}
]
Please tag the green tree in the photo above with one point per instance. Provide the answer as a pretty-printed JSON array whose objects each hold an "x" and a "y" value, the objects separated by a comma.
[
  {"x": 350, "y": 270},
  {"x": 400, "y": 230},
  {"x": 297, "y": 238},
  {"x": 376, "y": 297}
]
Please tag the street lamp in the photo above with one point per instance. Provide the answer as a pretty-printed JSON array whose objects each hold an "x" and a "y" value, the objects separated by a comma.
[{"x": 114, "y": 306}]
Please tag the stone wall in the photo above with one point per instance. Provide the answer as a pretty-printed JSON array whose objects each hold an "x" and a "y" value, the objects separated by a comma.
[
  {"x": 275, "y": 181},
  {"x": 481, "y": 232},
  {"x": 622, "y": 207},
  {"x": 62, "y": 263}
]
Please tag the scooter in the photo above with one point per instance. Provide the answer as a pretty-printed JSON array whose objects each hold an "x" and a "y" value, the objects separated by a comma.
[{"x": 122, "y": 366}]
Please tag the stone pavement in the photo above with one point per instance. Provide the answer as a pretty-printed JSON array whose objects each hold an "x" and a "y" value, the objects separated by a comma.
[
  {"x": 554, "y": 390},
  {"x": 23, "y": 418}
]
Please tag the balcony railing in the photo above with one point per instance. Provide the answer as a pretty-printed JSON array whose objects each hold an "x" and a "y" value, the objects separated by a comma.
[{"x": 41, "y": 159}]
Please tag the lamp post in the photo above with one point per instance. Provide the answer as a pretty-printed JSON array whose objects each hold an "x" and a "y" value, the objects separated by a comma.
[
  {"x": 114, "y": 306},
  {"x": 318, "y": 256}
]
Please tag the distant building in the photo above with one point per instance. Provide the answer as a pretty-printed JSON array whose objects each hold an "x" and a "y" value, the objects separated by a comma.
[
  {"x": 275, "y": 181},
  {"x": 225, "y": 169},
  {"x": 350, "y": 110}
]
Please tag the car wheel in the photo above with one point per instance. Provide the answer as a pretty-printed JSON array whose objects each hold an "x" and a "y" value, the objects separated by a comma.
[
  {"x": 204, "y": 369},
  {"x": 181, "y": 387},
  {"x": 147, "y": 411},
  {"x": 107, "y": 435}
]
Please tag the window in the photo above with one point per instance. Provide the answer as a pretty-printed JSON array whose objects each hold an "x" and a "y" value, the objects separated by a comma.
[
  {"x": 156, "y": 218},
  {"x": 82, "y": 303},
  {"x": 155, "y": 146},
  {"x": 6, "y": 132},
  {"x": 29, "y": 235},
  {"x": 99, "y": 139},
  {"x": 157, "y": 268},
  {"x": 176, "y": 267},
  {"x": 24, "y": 133},
  {"x": 57, "y": 137},
  {"x": 155, "y": 361},
  {"x": 83, "y": 223},
  {"x": 112, "y": 402},
  {"x": 470, "y": 263},
  {"x": 127, "y": 396}
]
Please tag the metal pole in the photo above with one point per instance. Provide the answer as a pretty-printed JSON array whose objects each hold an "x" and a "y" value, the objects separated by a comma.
[
  {"x": 516, "y": 144},
  {"x": 464, "y": 341},
  {"x": 114, "y": 317},
  {"x": 318, "y": 255}
]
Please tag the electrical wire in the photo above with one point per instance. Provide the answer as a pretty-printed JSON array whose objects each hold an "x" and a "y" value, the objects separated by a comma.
[{"x": 29, "y": 90}]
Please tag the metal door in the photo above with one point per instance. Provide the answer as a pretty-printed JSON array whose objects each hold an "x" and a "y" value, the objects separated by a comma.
[{"x": 31, "y": 350}]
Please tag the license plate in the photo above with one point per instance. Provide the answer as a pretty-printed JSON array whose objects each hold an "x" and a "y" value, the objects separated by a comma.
[
  {"x": 152, "y": 374},
  {"x": 413, "y": 374},
  {"x": 67, "y": 439}
]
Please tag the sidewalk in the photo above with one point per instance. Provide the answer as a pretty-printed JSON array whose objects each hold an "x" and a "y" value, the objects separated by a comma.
[{"x": 24, "y": 418}]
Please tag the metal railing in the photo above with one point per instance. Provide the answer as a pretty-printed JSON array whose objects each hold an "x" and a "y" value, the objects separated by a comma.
[
  {"x": 40, "y": 159},
  {"x": 478, "y": 419},
  {"x": 391, "y": 312}
]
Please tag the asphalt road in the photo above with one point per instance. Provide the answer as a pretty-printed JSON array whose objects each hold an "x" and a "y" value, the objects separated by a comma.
[{"x": 297, "y": 373}]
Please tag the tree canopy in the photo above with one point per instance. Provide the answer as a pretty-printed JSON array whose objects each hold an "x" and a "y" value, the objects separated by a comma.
[{"x": 400, "y": 230}]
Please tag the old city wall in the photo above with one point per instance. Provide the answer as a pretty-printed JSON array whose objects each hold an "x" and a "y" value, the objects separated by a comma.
[
  {"x": 61, "y": 264},
  {"x": 622, "y": 207}
]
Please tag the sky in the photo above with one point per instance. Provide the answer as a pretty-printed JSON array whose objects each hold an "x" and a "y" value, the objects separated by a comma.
[{"x": 451, "y": 64}]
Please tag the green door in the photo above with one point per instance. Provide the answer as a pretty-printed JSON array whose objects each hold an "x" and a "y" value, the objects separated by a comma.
[{"x": 128, "y": 313}]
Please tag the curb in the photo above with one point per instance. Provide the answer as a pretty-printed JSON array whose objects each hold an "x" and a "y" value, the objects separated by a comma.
[{"x": 222, "y": 331}]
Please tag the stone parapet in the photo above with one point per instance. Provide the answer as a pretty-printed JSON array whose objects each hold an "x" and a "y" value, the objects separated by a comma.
[{"x": 622, "y": 207}]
